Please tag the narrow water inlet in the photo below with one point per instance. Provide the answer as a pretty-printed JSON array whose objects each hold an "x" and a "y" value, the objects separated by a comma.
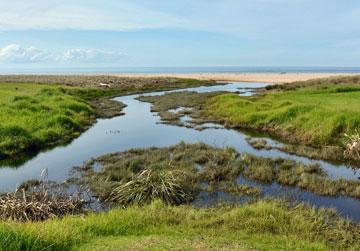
[{"x": 139, "y": 128}]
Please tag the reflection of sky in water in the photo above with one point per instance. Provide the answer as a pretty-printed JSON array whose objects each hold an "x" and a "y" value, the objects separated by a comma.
[{"x": 140, "y": 128}]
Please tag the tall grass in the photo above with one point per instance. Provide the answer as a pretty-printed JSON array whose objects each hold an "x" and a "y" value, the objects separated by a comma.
[{"x": 265, "y": 225}]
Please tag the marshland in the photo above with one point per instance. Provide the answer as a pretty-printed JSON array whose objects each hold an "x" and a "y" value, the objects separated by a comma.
[{"x": 169, "y": 163}]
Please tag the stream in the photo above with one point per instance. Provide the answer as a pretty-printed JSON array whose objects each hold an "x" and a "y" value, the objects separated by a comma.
[{"x": 140, "y": 128}]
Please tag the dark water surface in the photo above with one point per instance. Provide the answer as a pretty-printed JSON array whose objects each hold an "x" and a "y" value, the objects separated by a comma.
[{"x": 141, "y": 128}]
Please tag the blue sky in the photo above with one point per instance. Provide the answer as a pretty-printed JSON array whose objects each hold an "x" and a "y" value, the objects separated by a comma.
[{"x": 118, "y": 33}]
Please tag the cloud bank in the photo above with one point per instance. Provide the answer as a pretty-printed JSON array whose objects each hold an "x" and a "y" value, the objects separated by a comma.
[{"x": 14, "y": 53}]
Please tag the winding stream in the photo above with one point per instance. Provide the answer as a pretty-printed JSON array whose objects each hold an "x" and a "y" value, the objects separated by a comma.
[{"x": 141, "y": 128}]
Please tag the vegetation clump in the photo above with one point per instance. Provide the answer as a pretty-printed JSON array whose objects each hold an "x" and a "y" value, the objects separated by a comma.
[
  {"x": 239, "y": 189},
  {"x": 352, "y": 150},
  {"x": 168, "y": 186},
  {"x": 259, "y": 144},
  {"x": 38, "y": 205}
]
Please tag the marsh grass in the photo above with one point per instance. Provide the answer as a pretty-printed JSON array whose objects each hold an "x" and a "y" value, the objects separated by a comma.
[
  {"x": 290, "y": 173},
  {"x": 330, "y": 153},
  {"x": 173, "y": 173},
  {"x": 259, "y": 144},
  {"x": 342, "y": 84},
  {"x": 168, "y": 186},
  {"x": 192, "y": 102},
  {"x": 352, "y": 150},
  {"x": 203, "y": 168},
  {"x": 239, "y": 189}
]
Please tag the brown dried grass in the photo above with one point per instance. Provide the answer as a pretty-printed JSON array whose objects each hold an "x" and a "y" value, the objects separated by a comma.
[{"x": 38, "y": 205}]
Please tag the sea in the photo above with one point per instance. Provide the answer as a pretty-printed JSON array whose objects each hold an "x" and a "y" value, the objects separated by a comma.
[{"x": 169, "y": 70}]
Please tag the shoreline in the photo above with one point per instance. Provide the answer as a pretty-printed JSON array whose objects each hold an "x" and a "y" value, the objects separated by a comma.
[{"x": 273, "y": 78}]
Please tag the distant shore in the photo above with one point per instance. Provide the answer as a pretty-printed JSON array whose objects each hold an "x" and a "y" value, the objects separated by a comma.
[
  {"x": 115, "y": 79},
  {"x": 242, "y": 77}
]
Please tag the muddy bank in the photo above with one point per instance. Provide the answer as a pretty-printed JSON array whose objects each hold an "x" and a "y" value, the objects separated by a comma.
[{"x": 106, "y": 107}]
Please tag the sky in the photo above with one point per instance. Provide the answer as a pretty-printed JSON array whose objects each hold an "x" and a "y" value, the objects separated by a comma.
[{"x": 177, "y": 33}]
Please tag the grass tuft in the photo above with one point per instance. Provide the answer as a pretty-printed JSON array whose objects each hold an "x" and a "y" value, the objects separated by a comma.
[{"x": 168, "y": 186}]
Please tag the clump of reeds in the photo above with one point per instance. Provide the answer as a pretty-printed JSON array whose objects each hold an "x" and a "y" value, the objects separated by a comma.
[
  {"x": 352, "y": 148},
  {"x": 240, "y": 189},
  {"x": 149, "y": 185},
  {"x": 37, "y": 206},
  {"x": 38, "y": 200},
  {"x": 259, "y": 144}
]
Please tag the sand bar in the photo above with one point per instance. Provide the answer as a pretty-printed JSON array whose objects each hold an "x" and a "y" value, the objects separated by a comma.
[{"x": 245, "y": 77}]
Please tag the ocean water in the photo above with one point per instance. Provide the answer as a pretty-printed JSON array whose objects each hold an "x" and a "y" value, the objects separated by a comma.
[{"x": 149, "y": 70}]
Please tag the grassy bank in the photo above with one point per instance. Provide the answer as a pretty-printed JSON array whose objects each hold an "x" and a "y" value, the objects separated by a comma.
[
  {"x": 37, "y": 116},
  {"x": 264, "y": 225},
  {"x": 313, "y": 115}
]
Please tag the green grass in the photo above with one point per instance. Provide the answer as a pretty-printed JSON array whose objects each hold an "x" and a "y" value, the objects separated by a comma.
[
  {"x": 264, "y": 225},
  {"x": 35, "y": 116},
  {"x": 314, "y": 116}
]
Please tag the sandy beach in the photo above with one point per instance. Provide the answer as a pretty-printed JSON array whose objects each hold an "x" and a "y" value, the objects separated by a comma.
[{"x": 277, "y": 78}]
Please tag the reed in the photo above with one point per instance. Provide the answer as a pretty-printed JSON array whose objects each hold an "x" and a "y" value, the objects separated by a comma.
[
  {"x": 149, "y": 185},
  {"x": 37, "y": 206}
]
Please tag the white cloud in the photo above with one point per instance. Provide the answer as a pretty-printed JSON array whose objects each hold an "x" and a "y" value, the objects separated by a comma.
[
  {"x": 14, "y": 53},
  {"x": 91, "y": 55}
]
